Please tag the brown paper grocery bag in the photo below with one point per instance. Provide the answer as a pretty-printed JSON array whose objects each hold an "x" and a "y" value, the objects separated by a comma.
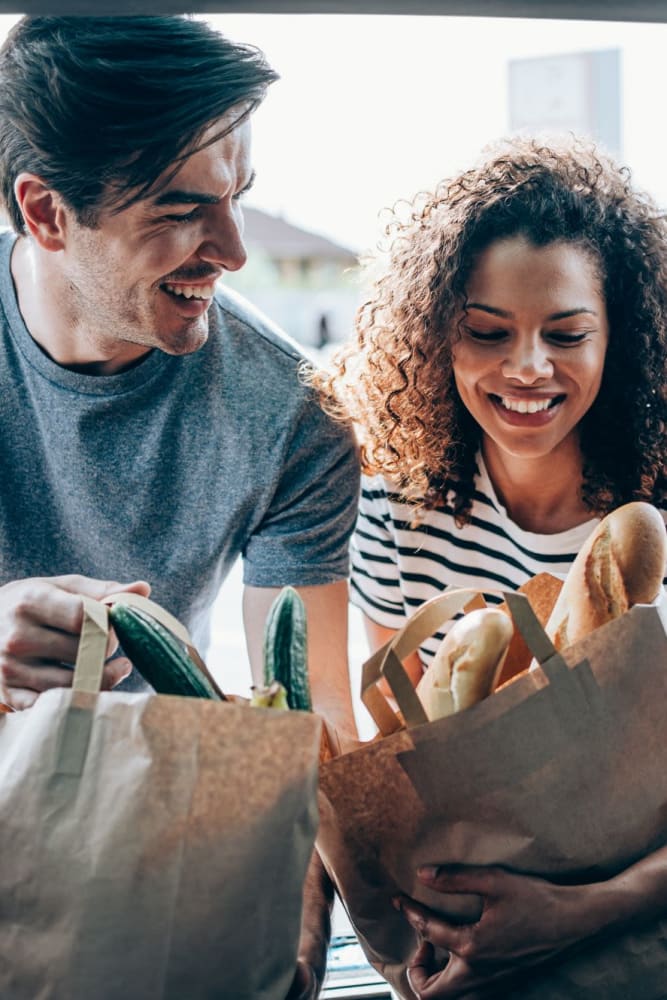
[
  {"x": 152, "y": 846},
  {"x": 561, "y": 773}
]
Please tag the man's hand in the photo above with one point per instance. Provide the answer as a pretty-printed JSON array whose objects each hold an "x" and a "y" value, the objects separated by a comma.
[
  {"x": 40, "y": 624},
  {"x": 524, "y": 920}
]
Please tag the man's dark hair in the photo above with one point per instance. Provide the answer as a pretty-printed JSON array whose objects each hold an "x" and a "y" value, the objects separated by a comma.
[{"x": 100, "y": 107}]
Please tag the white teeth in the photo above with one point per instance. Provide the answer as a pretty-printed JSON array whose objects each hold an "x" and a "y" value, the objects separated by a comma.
[
  {"x": 525, "y": 406},
  {"x": 192, "y": 291}
]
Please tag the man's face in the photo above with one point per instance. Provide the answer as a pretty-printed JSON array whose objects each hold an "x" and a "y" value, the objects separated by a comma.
[{"x": 145, "y": 276}]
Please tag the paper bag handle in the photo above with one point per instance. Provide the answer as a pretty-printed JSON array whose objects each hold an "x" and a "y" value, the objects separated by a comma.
[
  {"x": 387, "y": 661},
  {"x": 74, "y": 740},
  {"x": 91, "y": 653}
]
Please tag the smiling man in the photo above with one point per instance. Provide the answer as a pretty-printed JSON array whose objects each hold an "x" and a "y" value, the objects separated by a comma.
[{"x": 154, "y": 425}]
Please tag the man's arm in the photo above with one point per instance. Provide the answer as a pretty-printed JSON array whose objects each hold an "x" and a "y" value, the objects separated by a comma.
[
  {"x": 327, "y": 624},
  {"x": 525, "y": 920}
]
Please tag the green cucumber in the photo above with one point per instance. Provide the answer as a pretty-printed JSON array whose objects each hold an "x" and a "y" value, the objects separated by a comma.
[
  {"x": 285, "y": 648},
  {"x": 158, "y": 655}
]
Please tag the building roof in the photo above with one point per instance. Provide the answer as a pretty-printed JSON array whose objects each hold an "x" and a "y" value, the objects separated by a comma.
[{"x": 283, "y": 241}]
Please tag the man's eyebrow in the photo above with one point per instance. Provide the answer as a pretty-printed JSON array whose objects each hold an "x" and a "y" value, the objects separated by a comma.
[
  {"x": 504, "y": 314},
  {"x": 179, "y": 196}
]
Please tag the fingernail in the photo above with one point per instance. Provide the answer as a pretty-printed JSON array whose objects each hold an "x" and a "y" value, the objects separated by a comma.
[
  {"x": 428, "y": 872},
  {"x": 396, "y": 903}
]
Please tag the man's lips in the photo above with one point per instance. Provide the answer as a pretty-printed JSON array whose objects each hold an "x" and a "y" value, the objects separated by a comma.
[{"x": 190, "y": 289}]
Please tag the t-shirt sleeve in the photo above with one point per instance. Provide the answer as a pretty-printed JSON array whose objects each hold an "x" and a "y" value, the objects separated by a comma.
[
  {"x": 304, "y": 536},
  {"x": 375, "y": 580}
]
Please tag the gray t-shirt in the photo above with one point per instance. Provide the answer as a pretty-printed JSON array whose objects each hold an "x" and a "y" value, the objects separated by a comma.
[{"x": 172, "y": 469}]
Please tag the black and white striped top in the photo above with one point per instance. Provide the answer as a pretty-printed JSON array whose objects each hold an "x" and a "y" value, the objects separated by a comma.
[{"x": 396, "y": 567}]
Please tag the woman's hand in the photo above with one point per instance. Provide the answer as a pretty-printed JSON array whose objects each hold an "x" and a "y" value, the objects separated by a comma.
[{"x": 524, "y": 920}]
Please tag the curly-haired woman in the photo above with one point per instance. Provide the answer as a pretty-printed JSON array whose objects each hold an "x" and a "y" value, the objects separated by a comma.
[{"x": 509, "y": 383}]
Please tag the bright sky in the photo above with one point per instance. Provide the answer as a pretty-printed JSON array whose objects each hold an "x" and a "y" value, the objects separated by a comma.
[{"x": 371, "y": 108}]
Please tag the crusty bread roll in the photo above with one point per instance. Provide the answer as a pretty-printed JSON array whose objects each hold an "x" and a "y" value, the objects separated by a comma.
[
  {"x": 622, "y": 563},
  {"x": 466, "y": 664}
]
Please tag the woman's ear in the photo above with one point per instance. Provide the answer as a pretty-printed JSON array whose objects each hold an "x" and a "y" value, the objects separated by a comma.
[{"x": 43, "y": 211}]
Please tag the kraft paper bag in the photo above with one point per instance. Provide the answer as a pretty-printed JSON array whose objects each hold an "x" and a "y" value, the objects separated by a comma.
[
  {"x": 152, "y": 846},
  {"x": 561, "y": 773}
]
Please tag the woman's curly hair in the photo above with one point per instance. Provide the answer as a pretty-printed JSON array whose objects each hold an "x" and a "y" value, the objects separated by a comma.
[{"x": 395, "y": 381}]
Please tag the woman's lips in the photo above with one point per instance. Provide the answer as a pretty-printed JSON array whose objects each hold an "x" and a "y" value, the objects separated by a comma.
[{"x": 527, "y": 411}]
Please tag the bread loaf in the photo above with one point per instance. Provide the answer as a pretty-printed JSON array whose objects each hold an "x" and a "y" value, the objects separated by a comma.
[
  {"x": 621, "y": 564},
  {"x": 466, "y": 664}
]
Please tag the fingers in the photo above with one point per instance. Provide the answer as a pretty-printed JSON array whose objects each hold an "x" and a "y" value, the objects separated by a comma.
[
  {"x": 434, "y": 928},
  {"x": 37, "y": 678},
  {"x": 22, "y": 684},
  {"x": 53, "y": 602},
  {"x": 115, "y": 671},
  {"x": 454, "y": 980},
  {"x": 21, "y": 698},
  {"x": 421, "y": 967}
]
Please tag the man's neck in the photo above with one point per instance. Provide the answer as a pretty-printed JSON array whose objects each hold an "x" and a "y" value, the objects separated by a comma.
[{"x": 45, "y": 302}]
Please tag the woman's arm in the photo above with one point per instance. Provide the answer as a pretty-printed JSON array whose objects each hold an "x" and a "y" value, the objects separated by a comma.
[{"x": 524, "y": 920}]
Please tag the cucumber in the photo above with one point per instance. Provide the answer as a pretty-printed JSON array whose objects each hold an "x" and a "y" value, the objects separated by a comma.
[
  {"x": 158, "y": 655},
  {"x": 285, "y": 648}
]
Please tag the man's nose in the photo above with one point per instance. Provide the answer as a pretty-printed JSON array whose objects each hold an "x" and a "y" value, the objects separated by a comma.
[{"x": 223, "y": 242}]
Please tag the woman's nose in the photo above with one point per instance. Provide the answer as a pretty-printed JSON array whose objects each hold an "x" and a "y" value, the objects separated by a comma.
[{"x": 527, "y": 362}]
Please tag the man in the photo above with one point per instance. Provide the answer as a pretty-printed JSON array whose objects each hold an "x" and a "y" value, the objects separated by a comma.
[{"x": 153, "y": 425}]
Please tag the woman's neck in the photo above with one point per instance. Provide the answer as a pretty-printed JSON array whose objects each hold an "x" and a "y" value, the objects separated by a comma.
[{"x": 542, "y": 495}]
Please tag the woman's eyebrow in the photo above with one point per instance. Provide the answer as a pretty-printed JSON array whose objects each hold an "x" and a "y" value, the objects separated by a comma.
[
  {"x": 504, "y": 314},
  {"x": 490, "y": 309},
  {"x": 572, "y": 312}
]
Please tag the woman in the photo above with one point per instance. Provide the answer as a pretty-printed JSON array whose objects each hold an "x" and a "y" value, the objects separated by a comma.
[{"x": 509, "y": 386}]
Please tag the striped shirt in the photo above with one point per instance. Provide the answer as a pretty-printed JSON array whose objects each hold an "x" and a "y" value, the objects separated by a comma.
[{"x": 396, "y": 566}]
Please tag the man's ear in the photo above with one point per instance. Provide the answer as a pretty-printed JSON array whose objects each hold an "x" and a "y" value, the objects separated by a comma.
[{"x": 43, "y": 211}]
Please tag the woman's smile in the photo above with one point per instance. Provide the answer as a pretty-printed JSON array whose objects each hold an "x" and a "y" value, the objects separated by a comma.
[
  {"x": 532, "y": 342},
  {"x": 528, "y": 410}
]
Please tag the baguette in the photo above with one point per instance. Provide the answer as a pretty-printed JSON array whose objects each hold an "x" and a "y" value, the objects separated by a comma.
[
  {"x": 621, "y": 564},
  {"x": 467, "y": 663}
]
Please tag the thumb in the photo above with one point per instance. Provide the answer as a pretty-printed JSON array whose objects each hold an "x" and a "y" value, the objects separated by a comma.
[
  {"x": 115, "y": 671},
  {"x": 458, "y": 878},
  {"x": 136, "y": 587},
  {"x": 98, "y": 589}
]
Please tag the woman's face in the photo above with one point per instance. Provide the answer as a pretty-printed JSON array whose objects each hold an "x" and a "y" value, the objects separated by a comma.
[{"x": 534, "y": 335}]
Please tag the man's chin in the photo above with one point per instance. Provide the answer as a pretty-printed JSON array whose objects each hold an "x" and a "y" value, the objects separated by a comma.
[{"x": 185, "y": 341}]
